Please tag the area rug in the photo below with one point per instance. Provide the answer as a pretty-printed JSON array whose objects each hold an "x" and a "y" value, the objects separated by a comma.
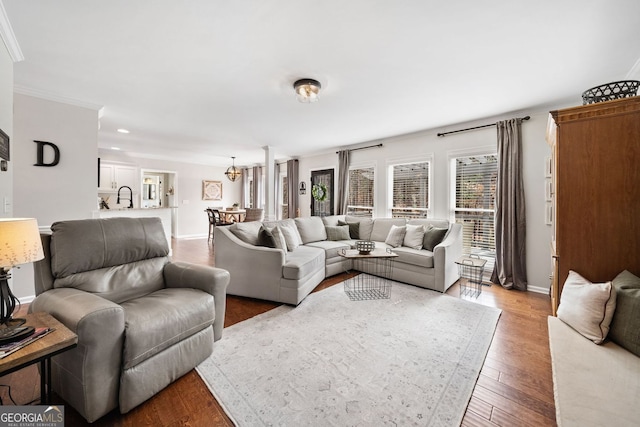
[{"x": 412, "y": 359}]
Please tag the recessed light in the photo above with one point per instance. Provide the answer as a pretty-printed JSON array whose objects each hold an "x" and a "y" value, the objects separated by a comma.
[
  {"x": 123, "y": 131},
  {"x": 115, "y": 148}
]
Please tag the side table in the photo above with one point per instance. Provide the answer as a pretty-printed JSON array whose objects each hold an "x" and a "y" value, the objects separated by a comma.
[
  {"x": 41, "y": 350},
  {"x": 377, "y": 284}
]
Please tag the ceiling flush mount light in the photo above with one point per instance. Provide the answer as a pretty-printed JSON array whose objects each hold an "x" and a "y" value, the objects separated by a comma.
[
  {"x": 123, "y": 130},
  {"x": 233, "y": 173},
  {"x": 307, "y": 90}
]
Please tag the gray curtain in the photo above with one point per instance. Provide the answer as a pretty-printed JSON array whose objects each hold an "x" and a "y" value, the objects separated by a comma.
[
  {"x": 510, "y": 269},
  {"x": 292, "y": 182},
  {"x": 245, "y": 187},
  {"x": 257, "y": 187},
  {"x": 278, "y": 184},
  {"x": 343, "y": 182}
]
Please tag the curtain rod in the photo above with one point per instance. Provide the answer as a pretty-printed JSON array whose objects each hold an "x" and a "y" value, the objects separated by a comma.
[
  {"x": 476, "y": 127},
  {"x": 363, "y": 148}
]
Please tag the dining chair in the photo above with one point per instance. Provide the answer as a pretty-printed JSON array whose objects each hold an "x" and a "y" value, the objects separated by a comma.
[
  {"x": 215, "y": 220},
  {"x": 254, "y": 214}
]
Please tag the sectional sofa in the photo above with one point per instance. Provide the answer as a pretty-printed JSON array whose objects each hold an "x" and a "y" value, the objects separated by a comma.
[{"x": 288, "y": 274}]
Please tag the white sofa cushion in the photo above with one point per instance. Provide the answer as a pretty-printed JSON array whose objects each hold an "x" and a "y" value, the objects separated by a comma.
[
  {"x": 246, "y": 231},
  {"x": 414, "y": 236},
  {"x": 381, "y": 227},
  {"x": 587, "y": 307},
  {"x": 311, "y": 229},
  {"x": 415, "y": 257},
  {"x": 302, "y": 262}
]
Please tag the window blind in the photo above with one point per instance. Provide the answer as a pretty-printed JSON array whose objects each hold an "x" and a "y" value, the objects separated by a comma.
[
  {"x": 475, "y": 195},
  {"x": 410, "y": 190},
  {"x": 360, "y": 201}
]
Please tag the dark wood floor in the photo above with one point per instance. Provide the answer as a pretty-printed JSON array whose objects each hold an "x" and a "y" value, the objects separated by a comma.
[{"x": 514, "y": 388}]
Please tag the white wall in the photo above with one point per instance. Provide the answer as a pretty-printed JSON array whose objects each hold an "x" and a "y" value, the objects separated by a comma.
[
  {"x": 192, "y": 221},
  {"x": 427, "y": 144},
  {"x": 62, "y": 192},
  {"x": 6, "y": 124},
  {"x": 67, "y": 190}
]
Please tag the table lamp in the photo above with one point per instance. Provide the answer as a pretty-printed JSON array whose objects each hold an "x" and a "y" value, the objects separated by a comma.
[{"x": 19, "y": 244}]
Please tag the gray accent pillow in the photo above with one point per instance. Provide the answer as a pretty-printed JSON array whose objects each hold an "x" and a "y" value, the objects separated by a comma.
[
  {"x": 395, "y": 238},
  {"x": 625, "y": 325},
  {"x": 433, "y": 237},
  {"x": 265, "y": 238},
  {"x": 339, "y": 232},
  {"x": 354, "y": 229}
]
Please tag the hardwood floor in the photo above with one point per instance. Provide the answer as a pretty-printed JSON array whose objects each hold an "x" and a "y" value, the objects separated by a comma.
[{"x": 514, "y": 387}]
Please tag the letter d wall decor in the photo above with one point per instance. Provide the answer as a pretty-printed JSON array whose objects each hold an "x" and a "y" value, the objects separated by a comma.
[{"x": 56, "y": 153}]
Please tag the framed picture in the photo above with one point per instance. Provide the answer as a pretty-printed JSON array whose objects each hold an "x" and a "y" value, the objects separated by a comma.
[
  {"x": 4, "y": 146},
  {"x": 548, "y": 167},
  {"x": 211, "y": 190},
  {"x": 548, "y": 214}
]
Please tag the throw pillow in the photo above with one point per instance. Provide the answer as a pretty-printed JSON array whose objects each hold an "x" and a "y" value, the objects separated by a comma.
[
  {"x": 265, "y": 238},
  {"x": 354, "y": 229},
  {"x": 291, "y": 236},
  {"x": 414, "y": 236},
  {"x": 587, "y": 307},
  {"x": 396, "y": 236},
  {"x": 625, "y": 325},
  {"x": 339, "y": 232},
  {"x": 278, "y": 236},
  {"x": 433, "y": 237}
]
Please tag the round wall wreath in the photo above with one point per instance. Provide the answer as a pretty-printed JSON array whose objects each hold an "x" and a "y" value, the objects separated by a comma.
[{"x": 319, "y": 192}]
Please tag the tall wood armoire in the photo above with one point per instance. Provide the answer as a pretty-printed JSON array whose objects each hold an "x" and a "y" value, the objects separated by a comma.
[{"x": 596, "y": 197}]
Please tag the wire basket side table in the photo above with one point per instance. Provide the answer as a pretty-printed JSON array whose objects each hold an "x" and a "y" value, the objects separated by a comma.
[
  {"x": 376, "y": 283},
  {"x": 470, "y": 269}
]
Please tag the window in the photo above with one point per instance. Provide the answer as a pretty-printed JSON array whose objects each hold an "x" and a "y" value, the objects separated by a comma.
[
  {"x": 410, "y": 190},
  {"x": 249, "y": 201},
  {"x": 475, "y": 196},
  {"x": 284, "y": 202},
  {"x": 361, "y": 191}
]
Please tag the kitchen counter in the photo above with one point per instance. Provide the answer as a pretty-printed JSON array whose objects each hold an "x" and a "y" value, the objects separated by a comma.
[{"x": 163, "y": 213}]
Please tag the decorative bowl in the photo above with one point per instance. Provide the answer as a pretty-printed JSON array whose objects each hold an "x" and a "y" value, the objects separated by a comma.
[
  {"x": 610, "y": 91},
  {"x": 365, "y": 246}
]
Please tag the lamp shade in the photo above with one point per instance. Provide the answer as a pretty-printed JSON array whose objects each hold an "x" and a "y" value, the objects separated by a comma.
[{"x": 19, "y": 242}]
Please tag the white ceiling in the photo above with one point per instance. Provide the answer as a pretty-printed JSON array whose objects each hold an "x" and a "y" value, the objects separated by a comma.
[{"x": 204, "y": 80}]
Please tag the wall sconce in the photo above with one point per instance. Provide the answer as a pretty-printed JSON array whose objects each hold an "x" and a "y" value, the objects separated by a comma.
[{"x": 303, "y": 188}]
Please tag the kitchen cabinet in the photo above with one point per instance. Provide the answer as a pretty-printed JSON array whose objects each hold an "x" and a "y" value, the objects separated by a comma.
[
  {"x": 114, "y": 176},
  {"x": 596, "y": 196}
]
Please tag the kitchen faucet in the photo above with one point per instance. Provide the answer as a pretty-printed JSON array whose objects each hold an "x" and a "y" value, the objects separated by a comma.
[{"x": 130, "y": 196}]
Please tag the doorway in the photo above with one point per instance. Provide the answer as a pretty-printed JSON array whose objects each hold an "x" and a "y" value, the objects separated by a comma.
[
  {"x": 322, "y": 205},
  {"x": 159, "y": 190}
]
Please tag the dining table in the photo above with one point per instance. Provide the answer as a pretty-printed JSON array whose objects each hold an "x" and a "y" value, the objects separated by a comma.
[{"x": 233, "y": 215}]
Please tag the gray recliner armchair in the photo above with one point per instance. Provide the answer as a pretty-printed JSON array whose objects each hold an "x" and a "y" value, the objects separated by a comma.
[{"x": 142, "y": 321}]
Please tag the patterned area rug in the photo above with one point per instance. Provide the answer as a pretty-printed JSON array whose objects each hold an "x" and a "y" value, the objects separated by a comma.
[{"x": 412, "y": 359}]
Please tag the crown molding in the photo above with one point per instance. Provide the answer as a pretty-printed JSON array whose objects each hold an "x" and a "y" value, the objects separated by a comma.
[
  {"x": 9, "y": 38},
  {"x": 23, "y": 90}
]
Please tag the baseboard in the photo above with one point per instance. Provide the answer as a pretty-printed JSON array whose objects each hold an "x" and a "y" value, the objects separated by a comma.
[
  {"x": 192, "y": 236},
  {"x": 538, "y": 290},
  {"x": 27, "y": 299}
]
